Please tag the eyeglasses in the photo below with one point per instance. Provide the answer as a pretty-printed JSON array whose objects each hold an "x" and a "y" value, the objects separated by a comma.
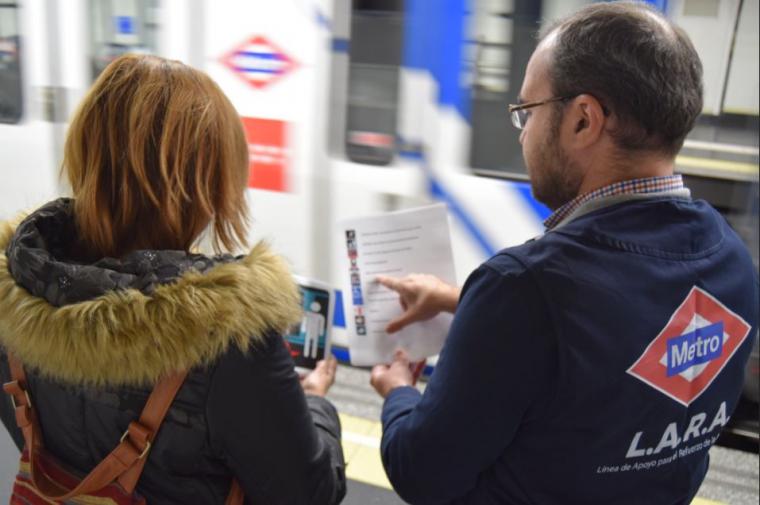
[{"x": 520, "y": 112}]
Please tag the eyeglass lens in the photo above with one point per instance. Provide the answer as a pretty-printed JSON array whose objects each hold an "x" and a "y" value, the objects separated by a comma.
[{"x": 519, "y": 118}]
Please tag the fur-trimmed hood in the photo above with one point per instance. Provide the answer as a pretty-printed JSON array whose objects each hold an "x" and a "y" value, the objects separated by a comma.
[{"x": 157, "y": 312}]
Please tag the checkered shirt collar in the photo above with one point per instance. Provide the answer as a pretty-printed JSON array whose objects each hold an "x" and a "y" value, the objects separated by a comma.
[{"x": 631, "y": 187}]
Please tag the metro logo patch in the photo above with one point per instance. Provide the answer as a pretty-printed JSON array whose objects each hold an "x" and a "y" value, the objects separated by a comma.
[{"x": 692, "y": 349}]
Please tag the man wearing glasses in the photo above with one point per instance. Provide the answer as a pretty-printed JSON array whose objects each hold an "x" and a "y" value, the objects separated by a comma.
[{"x": 598, "y": 363}]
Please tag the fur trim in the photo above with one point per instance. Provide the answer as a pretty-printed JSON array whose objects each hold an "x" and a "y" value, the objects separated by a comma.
[{"x": 128, "y": 338}]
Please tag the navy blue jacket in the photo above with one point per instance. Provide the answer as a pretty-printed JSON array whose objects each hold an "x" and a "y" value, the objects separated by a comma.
[{"x": 595, "y": 365}]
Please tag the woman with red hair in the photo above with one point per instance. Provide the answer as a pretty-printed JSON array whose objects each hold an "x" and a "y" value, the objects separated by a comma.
[{"x": 102, "y": 298}]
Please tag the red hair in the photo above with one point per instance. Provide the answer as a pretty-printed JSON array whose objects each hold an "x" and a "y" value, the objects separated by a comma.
[{"x": 154, "y": 154}]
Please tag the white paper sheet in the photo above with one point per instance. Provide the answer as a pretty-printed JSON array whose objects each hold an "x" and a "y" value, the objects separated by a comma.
[{"x": 393, "y": 244}]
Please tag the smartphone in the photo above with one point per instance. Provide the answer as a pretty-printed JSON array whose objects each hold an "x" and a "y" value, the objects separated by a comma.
[{"x": 309, "y": 339}]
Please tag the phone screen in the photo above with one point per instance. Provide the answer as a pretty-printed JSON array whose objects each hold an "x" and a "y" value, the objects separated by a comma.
[{"x": 308, "y": 340}]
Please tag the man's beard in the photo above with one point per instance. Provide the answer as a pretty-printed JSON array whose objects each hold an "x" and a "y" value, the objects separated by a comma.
[{"x": 556, "y": 179}]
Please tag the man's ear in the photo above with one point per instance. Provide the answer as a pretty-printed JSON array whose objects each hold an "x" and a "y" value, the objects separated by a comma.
[
  {"x": 581, "y": 125},
  {"x": 587, "y": 119}
]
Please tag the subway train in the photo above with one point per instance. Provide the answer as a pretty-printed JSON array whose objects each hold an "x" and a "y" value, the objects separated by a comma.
[{"x": 359, "y": 107}]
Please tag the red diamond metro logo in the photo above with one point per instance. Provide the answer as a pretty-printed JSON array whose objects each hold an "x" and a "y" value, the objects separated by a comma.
[
  {"x": 692, "y": 349},
  {"x": 259, "y": 62}
]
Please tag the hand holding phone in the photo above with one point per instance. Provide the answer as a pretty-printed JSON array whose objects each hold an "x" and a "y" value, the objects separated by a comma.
[
  {"x": 318, "y": 381},
  {"x": 309, "y": 340}
]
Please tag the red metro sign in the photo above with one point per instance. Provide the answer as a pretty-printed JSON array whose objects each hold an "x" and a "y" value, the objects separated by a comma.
[{"x": 259, "y": 62}]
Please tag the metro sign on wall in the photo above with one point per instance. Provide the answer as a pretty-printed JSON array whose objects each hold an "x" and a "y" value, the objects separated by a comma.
[
  {"x": 692, "y": 349},
  {"x": 259, "y": 62}
]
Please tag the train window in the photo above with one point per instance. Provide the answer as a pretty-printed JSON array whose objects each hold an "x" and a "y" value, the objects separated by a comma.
[
  {"x": 119, "y": 27},
  {"x": 10, "y": 64},
  {"x": 374, "y": 59},
  {"x": 502, "y": 38}
]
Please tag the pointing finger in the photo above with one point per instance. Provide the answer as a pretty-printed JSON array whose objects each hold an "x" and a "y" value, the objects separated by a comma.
[{"x": 389, "y": 282}]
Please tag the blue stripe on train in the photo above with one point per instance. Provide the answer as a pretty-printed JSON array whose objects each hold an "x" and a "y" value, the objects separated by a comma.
[{"x": 434, "y": 36}]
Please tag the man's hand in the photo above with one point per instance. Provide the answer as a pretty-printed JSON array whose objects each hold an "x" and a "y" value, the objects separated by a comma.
[
  {"x": 401, "y": 372},
  {"x": 422, "y": 296},
  {"x": 319, "y": 380}
]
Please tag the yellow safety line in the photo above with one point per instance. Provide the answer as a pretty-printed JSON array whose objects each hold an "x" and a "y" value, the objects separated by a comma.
[
  {"x": 705, "y": 501},
  {"x": 724, "y": 165},
  {"x": 361, "y": 442},
  {"x": 740, "y": 110},
  {"x": 361, "y": 449}
]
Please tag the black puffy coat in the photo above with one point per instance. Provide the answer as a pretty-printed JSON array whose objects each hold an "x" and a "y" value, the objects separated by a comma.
[{"x": 95, "y": 337}]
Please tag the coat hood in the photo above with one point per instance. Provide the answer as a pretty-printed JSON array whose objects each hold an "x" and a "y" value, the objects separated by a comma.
[{"x": 132, "y": 320}]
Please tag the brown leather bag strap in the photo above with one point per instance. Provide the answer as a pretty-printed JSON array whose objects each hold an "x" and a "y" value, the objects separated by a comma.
[
  {"x": 143, "y": 431},
  {"x": 17, "y": 389},
  {"x": 127, "y": 458}
]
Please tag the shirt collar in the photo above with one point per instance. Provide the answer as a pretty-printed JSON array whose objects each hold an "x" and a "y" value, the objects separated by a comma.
[{"x": 662, "y": 184}]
